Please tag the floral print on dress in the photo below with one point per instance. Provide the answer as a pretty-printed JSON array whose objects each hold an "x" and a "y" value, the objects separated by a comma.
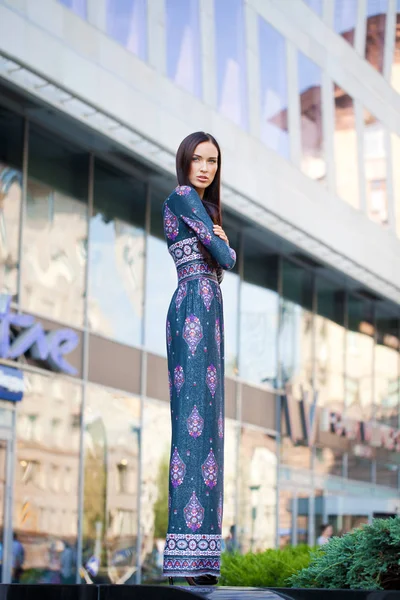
[
  {"x": 170, "y": 384},
  {"x": 210, "y": 470},
  {"x": 179, "y": 378},
  {"x": 220, "y": 426},
  {"x": 194, "y": 513},
  {"x": 192, "y": 333},
  {"x": 199, "y": 228},
  {"x": 177, "y": 469},
  {"x": 206, "y": 292},
  {"x": 171, "y": 224},
  {"x": 218, "y": 335},
  {"x": 195, "y": 423},
  {"x": 183, "y": 190},
  {"x": 169, "y": 335},
  {"x": 181, "y": 295},
  {"x": 220, "y": 511},
  {"x": 211, "y": 379}
]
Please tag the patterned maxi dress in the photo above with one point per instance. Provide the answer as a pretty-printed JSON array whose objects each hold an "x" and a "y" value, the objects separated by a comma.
[{"x": 195, "y": 345}]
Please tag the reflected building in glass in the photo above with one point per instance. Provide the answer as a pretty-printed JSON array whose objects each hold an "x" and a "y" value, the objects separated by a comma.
[{"x": 296, "y": 97}]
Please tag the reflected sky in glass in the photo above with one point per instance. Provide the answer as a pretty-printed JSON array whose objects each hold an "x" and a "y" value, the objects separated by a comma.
[
  {"x": 231, "y": 60},
  {"x": 315, "y": 5},
  {"x": 273, "y": 88},
  {"x": 345, "y": 18},
  {"x": 127, "y": 24},
  {"x": 183, "y": 44},
  {"x": 116, "y": 279},
  {"x": 77, "y": 6}
]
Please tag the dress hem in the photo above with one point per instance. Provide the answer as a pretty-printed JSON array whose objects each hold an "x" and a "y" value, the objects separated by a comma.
[{"x": 192, "y": 573}]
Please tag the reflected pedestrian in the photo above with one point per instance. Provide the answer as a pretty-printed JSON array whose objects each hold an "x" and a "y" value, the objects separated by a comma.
[{"x": 326, "y": 532}]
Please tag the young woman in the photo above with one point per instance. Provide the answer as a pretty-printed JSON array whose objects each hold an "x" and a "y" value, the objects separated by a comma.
[{"x": 195, "y": 346}]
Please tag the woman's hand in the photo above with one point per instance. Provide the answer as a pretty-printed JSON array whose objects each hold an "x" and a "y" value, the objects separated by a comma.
[{"x": 220, "y": 233}]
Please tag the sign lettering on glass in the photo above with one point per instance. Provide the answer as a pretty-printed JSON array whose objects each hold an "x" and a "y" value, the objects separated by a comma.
[{"x": 50, "y": 347}]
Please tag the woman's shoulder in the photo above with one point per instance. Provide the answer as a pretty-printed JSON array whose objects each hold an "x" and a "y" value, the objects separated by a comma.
[{"x": 181, "y": 190}]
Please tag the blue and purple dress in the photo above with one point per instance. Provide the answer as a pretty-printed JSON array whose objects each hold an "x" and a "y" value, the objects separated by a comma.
[{"x": 195, "y": 346}]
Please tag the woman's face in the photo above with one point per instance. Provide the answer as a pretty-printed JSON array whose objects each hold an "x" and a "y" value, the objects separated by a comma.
[{"x": 203, "y": 167}]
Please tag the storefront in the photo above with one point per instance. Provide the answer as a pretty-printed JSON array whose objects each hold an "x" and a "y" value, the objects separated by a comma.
[{"x": 86, "y": 281}]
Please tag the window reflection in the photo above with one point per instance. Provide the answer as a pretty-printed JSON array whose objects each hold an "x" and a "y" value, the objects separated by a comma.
[
  {"x": 259, "y": 310},
  {"x": 110, "y": 512},
  {"x": 257, "y": 491},
  {"x": 231, "y": 60},
  {"x": 77, "y": 6},
  {"x": 315, "y": 5},
  {"x": 345, "y": 19},
  {"x": 11, "y": 128},
  {"x": 117, "y": 255},
  {"x": 230, "y": 294},
  {"x": 183, "y": 44},
  {"x": 359, "y": 468},
  {"x": 127, "y": 24},
  {"x": 375, "y": 41},
  {"x": 155, "y": 484},
  {"x": 329, "y": 345},
  {"x": 312, "y": 144},
  {"x": 375, "y": 168},
  {"x": 328, "y": 462},
  {"x": 386, "y": 367},
  {"x": 273, "y": 88},
  {"x": 359, "y": 359},
  {"x": 45, "y": 517},
  {"x": 387, "y": 474},
  {"x": 161, "y": 278},
  {"x": 396, "y": 55},
  {"x": 345, "y": 147},
  {"x": 295, "y": 332}
]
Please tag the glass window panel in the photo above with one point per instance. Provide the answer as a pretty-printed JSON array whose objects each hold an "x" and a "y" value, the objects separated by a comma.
[
  {"x": 375, "y": 41},
  {"x": 296, "y": 326},
  {"x": 359, "y": 359},
  {"x": 259, "y": 312},
  {"x": 273, "y": 88},
  {"x": 231, "y": 60},
  {"x": 330, "y": 337},
  {"x": 155, "y": 483},
  {"x": 387, "y": 475},
  {"x": 312, "y": 143},
  {"x": 11, "y": 141},
  {"x": 316, "y": 6},
  {"x": 345, "y": 19},
  {"x": 375, "y": 168},
  {"x": 126, "y": 22},
  {"x": 386, "y": 367},
  {"x": 183, "y": 44},
  {"x": 396, "y": 56},
  {"x": 55, "y": 235},
  {"x": 359, "y": 468},
  {"x": 257, "y": 491},
  {"x": 161, "y": 278},
  {"x": 77, "y": 6},
  {"x": 110, "y": 518},
  {"x": 45, "y": 517},
  {"x": 117, "y": 245},
  {"x": 345, "y": 148}
]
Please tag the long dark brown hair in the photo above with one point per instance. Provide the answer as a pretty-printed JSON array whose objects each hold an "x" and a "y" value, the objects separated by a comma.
[{"x": 212, "y": 194}]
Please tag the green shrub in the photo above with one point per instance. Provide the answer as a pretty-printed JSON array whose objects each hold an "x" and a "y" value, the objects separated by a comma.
[
  {"x": 367, "y": 558},
  {"x": 271, "y": 568}
]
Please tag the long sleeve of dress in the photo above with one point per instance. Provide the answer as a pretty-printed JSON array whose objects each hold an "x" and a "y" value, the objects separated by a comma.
[{"x": 185, "y": 203}]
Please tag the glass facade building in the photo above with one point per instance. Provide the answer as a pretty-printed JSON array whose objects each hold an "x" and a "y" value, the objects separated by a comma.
[{"x": 312, "y": 349}]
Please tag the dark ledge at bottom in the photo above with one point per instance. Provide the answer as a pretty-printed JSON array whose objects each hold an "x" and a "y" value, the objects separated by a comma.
[{"x": 154, "y": 592}]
